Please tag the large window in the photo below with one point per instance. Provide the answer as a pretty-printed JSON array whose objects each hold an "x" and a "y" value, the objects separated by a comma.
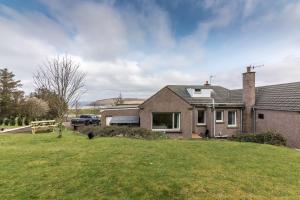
[
  {"x": 219, "y": 116},
  {"x": 232, "y": 118},
  {"x": 201, "y": 117},
  {"x": 166, "y": 121}
]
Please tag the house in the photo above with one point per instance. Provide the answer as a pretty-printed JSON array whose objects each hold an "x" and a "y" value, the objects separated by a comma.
[
  {"x": 181, "y": 110},
  {"x": 184, "y": 110},
  {"x": 120, "y": 115},
  {"x": 124, "y": 113}
]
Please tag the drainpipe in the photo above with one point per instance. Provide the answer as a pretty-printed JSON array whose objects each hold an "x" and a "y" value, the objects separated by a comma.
[
  {"x": 214, "y": 117},
  {"x": 241, "y": 120},
  {"x": 254, "y": 121}
]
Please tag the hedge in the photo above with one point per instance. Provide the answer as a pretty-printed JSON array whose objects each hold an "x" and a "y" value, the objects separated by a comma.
[
  {"x": 269, "y": 137},
  {"x": 123, "y": 131}
]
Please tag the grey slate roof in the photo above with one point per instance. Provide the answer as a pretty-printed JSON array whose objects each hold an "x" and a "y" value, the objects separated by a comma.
[
  {"x": 284, "y": 97},
  {"x": 220, "y": 94}
]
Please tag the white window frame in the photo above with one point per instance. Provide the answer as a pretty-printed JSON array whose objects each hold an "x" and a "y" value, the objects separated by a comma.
[
  {"x": 173, "y": 124},
  {"x": 222, "y": 114},
  {"x": 201, "y": 124},
  {"x": 235, "y": 116}
]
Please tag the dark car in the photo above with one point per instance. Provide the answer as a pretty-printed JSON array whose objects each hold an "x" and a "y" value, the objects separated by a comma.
[{"x": 86, "y": 120}]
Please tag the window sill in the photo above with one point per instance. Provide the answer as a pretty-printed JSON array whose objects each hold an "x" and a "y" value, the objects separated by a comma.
[
  {"x": 201, "y": 124},
  {"x": 167, "y": 130},
  {"x": 219, "y": 122},
  {"x": 232, "y": 127}
]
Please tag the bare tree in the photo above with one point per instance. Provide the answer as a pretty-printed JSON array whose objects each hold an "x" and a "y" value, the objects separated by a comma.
[
  {"x": 61, "y": 75},
  {"x": 119, "y": 100}
]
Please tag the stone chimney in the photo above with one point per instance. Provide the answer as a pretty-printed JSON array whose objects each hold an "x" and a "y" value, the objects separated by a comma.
[
  {"x": 206, "y": 83},
  {"x": 248, "y": 99}
]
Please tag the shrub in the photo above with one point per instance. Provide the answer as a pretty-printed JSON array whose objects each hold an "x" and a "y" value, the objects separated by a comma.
[
  {"x": 6, "y": 121},
  {"x": 124, "y": 131},
  {"x": 269, "y": 137},
  {"x": 26, "y": 121},
  {"x": 12, "y": 121},
  {"x": 20, "y": 121},
  {"x": 1, "y": 121}
]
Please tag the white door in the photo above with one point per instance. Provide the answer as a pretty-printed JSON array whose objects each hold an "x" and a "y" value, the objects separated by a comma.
[{"x": 107, "y": 120}]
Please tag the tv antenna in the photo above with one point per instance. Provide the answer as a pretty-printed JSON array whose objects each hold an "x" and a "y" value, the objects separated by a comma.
[
  {"x": 210, "y": 78},
  {"x": 256, "y": 66}
]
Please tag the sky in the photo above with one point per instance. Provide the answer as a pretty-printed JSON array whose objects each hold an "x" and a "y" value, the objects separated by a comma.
[{"x": 137, "y": 47}]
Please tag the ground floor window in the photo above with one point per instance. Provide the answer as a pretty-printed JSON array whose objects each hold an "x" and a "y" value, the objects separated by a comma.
[
  {"x": 219, "y": 116},
  {"x": 231, "y": 118},
  {"x": 201, "y": 117},
  {"x": 166, "y": 121}
]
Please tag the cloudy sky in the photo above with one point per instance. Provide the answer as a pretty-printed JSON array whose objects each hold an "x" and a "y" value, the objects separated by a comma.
[{"x": 138, "y": 46}]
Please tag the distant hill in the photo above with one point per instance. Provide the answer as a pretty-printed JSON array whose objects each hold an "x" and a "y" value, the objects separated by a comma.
[{"x": 111, "y": 102}]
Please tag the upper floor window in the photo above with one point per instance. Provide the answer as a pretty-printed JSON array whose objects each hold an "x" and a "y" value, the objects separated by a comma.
[
  {"x": 232, "y": 118},
  {"x": 198, "y": 92},
  {"x": 201, "y": 117}
]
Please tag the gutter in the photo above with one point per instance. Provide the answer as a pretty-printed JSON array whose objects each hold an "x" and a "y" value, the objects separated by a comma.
[
  {"x": 109, "y": 109},
  {"x": 238, "y": 104}
]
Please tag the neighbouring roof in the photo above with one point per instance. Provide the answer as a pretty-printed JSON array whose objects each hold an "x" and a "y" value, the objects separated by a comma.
[
  {"x": 111, "y": 102},
  {"x": 124, "y": 120},
  {"x": 120, "y": 107},
  {"x": 283, "y": 97},
  {"x": 220, "y": 94}
]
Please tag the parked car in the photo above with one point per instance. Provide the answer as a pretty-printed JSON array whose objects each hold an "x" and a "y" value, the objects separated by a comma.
[{"x": 88, "y": 119}]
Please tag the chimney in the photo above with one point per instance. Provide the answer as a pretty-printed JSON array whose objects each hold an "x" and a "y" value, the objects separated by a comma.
[
  {"x": 206, "y": 83},
  {"x": 248, "y": 99}
]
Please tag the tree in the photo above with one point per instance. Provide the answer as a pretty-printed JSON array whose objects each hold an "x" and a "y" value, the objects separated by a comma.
[
  {"x": 10, "y": 95},
  {"x": 35, "y": 108},
  {"x": 61, "y": 76},
  {"x": 51, "y": 98},
  {"x": 119, "y": 100}
]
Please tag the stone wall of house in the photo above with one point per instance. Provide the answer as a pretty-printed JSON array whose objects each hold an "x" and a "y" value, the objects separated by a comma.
[
  {"x": 117, "y": 112},
  {"x": 167, "y": 101},
  {"x": 286, "y": 123},
  {"x": 222, "y": 128}
]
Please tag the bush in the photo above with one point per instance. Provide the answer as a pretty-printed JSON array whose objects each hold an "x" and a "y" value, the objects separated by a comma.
[
  {"x": 26, "y": 121},
  {"x": 123, "y": 131},
  {"x": 269, "y": 137},
  {"x": 20, "y": 121},
  {"x": 1, "y": 121},
  {"x": 6, "y": 121},
  {"x": 12, "y": 121}
]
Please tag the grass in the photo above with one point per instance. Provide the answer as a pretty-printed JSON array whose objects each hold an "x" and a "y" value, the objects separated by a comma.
[{"x": 44, "y": 167}]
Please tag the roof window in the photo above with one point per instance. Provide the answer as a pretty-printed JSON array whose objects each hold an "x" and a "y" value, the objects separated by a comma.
[{"x": 198, "y": 92}]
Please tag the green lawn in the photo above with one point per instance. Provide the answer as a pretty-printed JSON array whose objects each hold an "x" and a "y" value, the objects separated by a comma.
[{"x": 44, "y": 167}]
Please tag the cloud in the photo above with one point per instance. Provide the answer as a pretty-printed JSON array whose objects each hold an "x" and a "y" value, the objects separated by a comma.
[
  {"x": 249, "y": 7},
  {"x": 283, "y": 71},
  {"x": 134, "y": 50}
]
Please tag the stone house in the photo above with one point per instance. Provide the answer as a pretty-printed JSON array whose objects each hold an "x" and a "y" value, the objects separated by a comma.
[{"x": 190, "y": 110}]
